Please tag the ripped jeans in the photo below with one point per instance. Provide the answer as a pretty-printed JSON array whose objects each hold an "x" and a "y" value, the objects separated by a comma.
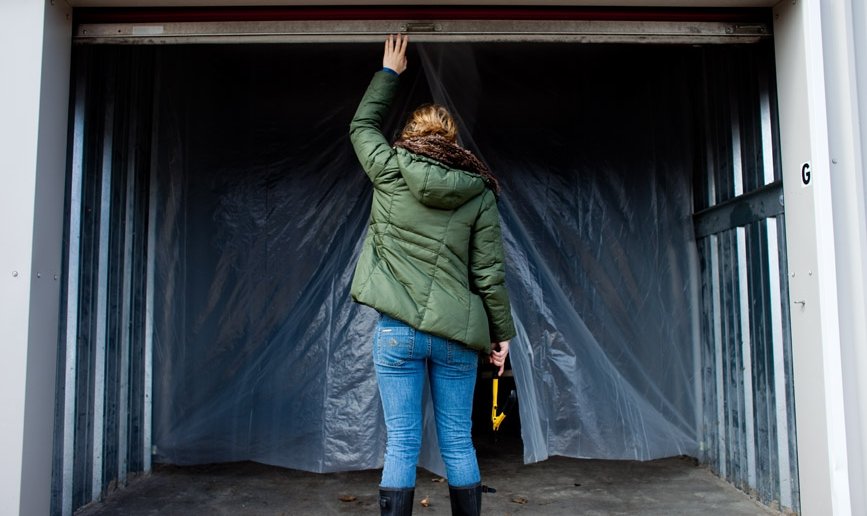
[{"x": 402, "y": 357}]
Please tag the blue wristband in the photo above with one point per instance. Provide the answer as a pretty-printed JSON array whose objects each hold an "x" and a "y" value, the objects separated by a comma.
[{"x": 389, "y": 70}]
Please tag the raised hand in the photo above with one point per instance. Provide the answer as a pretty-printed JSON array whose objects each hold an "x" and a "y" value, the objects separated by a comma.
[{"x": 395, "y": 53}]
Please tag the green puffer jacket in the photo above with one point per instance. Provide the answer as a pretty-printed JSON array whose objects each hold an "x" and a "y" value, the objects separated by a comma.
[{"x": 433, "y": 255}]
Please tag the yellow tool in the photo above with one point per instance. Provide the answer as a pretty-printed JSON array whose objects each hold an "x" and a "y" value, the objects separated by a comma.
[{"x": 497, "y": 419}]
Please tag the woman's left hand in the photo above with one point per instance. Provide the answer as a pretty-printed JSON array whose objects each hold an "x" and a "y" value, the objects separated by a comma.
[{"x": 499, "y": 352}]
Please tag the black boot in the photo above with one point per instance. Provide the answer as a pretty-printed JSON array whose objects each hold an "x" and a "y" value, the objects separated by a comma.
[
  {"x": 395, "y": 502},
  {"x": 466, "y": 501}
]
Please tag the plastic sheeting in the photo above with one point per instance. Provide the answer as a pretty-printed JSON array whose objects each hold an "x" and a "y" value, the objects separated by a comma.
[{"x": 260, "y": 353}]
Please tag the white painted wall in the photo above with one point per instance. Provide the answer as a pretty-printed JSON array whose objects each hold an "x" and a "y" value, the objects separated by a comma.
[
  {"x": 34, "y": 50},
  {"x": 844, "y": 23},
  {"x": 808, "y": 360},
  {"x": 822, "y": 83}
]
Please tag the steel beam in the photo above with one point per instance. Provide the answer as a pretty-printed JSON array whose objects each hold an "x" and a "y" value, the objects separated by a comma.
[
  {"x": 742, "y": 210},
  {"x": 350, "y": 31}
]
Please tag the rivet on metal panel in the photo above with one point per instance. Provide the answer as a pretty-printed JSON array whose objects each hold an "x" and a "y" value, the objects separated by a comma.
[
  {"x": 14, "y": 274},
  {"x": 55, "y": 277},
  {"x": 834, "y": 161},
  {"x": 38, "y": 274},
  {"x": 782, "y": 200},
  {"x": 810, "y": 273}
]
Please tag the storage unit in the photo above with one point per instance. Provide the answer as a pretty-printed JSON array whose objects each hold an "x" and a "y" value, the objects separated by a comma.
[{"x": 154, "y": 194}]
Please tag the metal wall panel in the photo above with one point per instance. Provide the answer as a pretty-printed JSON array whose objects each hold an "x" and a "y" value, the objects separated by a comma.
[
  {"x": 100, "y": 432},
  {"x": 749, "y": 431}
]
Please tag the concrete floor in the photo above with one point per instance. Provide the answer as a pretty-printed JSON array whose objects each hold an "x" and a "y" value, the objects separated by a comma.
[{"x": 557, "y": 486}]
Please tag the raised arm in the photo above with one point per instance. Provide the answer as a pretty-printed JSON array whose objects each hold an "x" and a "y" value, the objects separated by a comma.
[{"x": 365, "y": 130}]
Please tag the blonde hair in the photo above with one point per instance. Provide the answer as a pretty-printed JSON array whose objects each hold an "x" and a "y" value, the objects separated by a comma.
[{"x": 430, "y": 119}]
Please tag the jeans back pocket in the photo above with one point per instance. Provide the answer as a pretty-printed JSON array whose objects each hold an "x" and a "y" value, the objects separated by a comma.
[{"x": 393, "y": 345}]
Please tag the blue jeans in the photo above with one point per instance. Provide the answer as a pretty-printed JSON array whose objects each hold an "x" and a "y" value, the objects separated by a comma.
[{"x": 402, "y": 357}]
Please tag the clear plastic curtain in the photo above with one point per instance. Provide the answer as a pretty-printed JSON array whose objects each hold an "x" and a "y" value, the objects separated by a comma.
[
  {"x": 260, "y": 353},
  {"x": 595, "y": 150}
]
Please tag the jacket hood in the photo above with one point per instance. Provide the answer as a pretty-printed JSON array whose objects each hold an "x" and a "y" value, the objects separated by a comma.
[{"x": 435, "y": 184}]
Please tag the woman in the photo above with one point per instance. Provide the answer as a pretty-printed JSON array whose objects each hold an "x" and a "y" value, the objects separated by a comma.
[{"x": 432, "y": 265}]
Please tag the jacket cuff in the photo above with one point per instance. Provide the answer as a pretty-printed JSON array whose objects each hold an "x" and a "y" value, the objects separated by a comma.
[
  {"x": 508, "y": 334},
  {"x": 390, "y": 76}
]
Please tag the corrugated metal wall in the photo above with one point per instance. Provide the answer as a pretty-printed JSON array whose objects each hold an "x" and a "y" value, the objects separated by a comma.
[
  {"x": 101, "y": 416},
  {"x": 748, "y": 398}
]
